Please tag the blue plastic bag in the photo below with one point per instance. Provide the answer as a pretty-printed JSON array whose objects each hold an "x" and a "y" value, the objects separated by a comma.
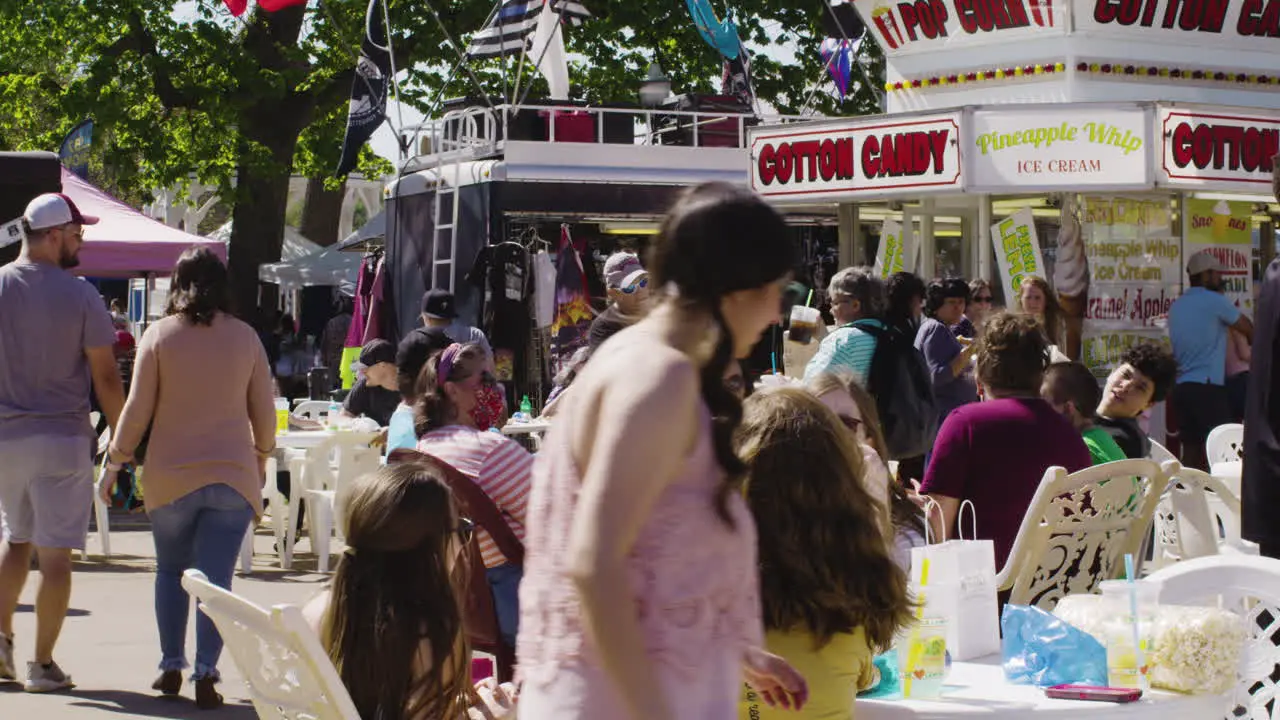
[{"x": 1042, "y": 650}]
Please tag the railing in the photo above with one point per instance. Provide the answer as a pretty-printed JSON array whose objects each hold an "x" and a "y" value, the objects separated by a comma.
[{"x": 479, "y": 131}]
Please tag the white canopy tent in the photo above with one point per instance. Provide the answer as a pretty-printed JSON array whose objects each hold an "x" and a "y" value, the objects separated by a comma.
[
  {"x": 328, "y": 266},
  {"x": 295, "y": 247}
]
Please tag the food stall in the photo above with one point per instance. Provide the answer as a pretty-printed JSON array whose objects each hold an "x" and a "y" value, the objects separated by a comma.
[{"x": 1096, "y": 144}]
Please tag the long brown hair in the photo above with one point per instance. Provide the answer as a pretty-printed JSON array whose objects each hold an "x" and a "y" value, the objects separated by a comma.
[
  {"x": 1053, "y": 317},
  {"x": 824, "y": 563},
  {"x": 902, "y": 512},
  {"x": 719, "y": 239},
  {"x": 433, "y": 409},
  {"x": 199, "y": 288},
  {"x": 394, "y": 587}
]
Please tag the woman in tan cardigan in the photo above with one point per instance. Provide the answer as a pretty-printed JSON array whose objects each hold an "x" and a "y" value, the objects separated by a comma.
[{"x": 202, "y": 383}]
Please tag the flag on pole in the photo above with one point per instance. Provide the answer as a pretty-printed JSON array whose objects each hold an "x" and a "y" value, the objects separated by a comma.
[
  {"x": 736, "y": 79},
  {"x": 237, "y": 7},
  {"x": 840, "y": 55},
  {"x": 368, "y": 108},
  {"x": 547, "y": 51},
  {"x": 74, "y": 152},
  {"x": 509, "y": 31}
]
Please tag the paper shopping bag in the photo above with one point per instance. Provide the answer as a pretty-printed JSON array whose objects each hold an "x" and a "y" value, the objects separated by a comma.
[{"x": 962, "y": 588}]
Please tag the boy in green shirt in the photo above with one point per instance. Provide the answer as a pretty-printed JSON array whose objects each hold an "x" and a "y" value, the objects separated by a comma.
[{"x": 1073, "y": 391}]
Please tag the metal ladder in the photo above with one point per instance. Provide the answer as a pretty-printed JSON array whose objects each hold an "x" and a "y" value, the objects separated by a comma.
[{"x": 444, "y": 245}]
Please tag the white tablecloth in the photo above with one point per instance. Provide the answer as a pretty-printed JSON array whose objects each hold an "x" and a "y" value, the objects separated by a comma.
[
  {"x": 307, "y": 439},
  {"x": 526, "y": 428},
  {"x": 978, "y": 689}
]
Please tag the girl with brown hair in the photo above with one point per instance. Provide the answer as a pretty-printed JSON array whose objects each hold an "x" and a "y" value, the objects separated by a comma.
[
  {"x": 1036, "y": 299},
  {"x": 391, "y": 620},
  {"x": 640, "y": 594},
  {"x": 832, "y": 595}
]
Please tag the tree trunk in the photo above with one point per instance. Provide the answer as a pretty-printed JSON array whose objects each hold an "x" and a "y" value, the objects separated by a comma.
[{"x": 322, "y": 211}]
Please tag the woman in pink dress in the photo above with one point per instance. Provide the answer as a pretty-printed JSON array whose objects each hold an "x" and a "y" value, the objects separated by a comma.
[{"x": 641, "y": 590}]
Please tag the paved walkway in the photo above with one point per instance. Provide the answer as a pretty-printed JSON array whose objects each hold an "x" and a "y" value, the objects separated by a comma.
[{"x": 109, "y": 644}]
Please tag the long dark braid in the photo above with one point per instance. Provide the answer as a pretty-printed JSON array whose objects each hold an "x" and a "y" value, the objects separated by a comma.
[{"x": 726, "y": 416}]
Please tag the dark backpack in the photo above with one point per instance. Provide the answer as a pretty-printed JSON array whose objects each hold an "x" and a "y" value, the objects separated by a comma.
[{"x": 900, "y": 382}]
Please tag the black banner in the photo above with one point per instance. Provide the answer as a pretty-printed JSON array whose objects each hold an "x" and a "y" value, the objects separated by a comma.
[{"x": 368, "y": 90}]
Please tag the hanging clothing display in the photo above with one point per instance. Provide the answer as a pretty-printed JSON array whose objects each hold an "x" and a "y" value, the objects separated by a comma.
[
  {"x": 502, "y": 271},
  {"x": 373, "y": 322},
  {"x": 573, "y": 304},
  {"x": 359, "y": 318},
  {"x": 544, "y": 289}
]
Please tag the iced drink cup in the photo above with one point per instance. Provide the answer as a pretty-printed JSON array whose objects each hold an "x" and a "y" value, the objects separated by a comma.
[{"x": 804, "y": 323}]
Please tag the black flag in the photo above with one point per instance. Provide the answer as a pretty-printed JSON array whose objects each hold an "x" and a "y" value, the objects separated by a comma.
[{"x": 368, "y": 90}]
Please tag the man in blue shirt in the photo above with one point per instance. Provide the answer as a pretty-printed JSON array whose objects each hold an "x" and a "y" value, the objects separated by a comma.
[{"x": 1198, "y": 324}]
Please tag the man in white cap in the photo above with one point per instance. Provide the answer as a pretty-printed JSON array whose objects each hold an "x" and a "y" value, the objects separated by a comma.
[
  {"x": 56, "y": 337},
  {"x": 627, "y": 283},
  {"x": 1198, "y": 323}
]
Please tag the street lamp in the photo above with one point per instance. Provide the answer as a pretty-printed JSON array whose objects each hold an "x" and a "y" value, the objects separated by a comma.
[{"x": 655, "y": 88}]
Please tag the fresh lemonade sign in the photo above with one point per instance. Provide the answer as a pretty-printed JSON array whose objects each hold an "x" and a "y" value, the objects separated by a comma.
[
  {"x": 1059, "y": 148},
  {"x": 896, "y": 252},
  {"x": 1017, "y": 250}
]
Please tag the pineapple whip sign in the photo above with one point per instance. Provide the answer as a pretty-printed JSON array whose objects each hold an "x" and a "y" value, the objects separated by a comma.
[{"x": 1059, "y": 148}]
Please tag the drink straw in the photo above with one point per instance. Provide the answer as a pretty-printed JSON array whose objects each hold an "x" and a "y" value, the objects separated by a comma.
[
  {"x": 774, "y": 358},
  {"x": 1133, "y": 610},
  {"x": 809, "y": 302},
  {"x": 915, "y": 648}
]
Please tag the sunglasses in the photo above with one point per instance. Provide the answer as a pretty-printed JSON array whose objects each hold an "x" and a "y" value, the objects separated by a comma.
[
  {"x": 466, "y": 530},
  {"x": 984, "y": 299},
  {"x": 640, "y": 284}
]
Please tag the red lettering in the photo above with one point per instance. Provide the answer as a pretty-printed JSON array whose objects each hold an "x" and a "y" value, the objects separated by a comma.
[
  {"x": 764, "y": 166},
  {"x": 1105, "y": 11},
  {"x": 1181, "y": 145},
  {"x": 910, "y": 20},
  {"x": 827, "y": 161},
  {"x": 938, "y": 142},
  {"x": 806, "y": 149},
  {"x": 785, "y": 161},
  {"x": 844, "y": 158},
  {"x": 871, "y": 157}
]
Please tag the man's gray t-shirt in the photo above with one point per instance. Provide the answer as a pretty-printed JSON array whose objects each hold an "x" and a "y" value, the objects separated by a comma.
[{"x": 48, "y": 317}]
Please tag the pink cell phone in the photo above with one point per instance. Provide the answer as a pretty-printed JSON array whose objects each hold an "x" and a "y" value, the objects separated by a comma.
[
  {"x": 481, "y": 668},
  {"x": 1094, "y": 693}
]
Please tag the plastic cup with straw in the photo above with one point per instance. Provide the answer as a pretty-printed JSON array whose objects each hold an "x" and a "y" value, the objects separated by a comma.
[
  {"x": 1139, "y": 655},
  {"x": 915, "y": 647}
]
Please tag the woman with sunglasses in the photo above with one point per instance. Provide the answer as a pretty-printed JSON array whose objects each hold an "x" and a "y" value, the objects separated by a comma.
[
  {"x": 458, "y": 402},
  {"x": 976, "y": 312},
  {"x": 404, "y": 536}
]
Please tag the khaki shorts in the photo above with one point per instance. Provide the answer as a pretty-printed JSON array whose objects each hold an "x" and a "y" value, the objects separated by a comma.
[{"x": 46, "y": 490}]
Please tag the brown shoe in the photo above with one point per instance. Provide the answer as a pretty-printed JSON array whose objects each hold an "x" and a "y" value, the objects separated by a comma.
[
  {"x": 169, "y": 682},
  {"x": 207, "y": 698}
]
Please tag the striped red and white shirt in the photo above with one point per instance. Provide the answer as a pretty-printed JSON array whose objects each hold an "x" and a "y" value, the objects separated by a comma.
[{"x": 497, "y": 464}]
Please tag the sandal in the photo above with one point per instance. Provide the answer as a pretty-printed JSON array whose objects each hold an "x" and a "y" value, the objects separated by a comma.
[
  {"x": 207, "y": 698},
  {"x": 169, "y": 682}
]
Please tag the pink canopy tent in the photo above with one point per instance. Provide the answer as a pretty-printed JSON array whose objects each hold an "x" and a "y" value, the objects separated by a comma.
[{"x": 126, "y": 242}]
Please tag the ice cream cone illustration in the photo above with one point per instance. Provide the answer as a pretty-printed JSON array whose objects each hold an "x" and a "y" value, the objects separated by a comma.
[
  {"x": 1221, "y": 220},
  {"x": 1071, "y": 277},
  {"x": 887, "y": 23}
]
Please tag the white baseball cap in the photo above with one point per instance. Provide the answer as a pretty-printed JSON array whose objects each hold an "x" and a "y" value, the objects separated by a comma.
[
  {"x": 54, "y": 209},
  {"x": 1203, "y": 261}
]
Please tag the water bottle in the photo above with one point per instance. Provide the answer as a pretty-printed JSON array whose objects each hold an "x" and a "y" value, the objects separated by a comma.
[
  {"x": 526, "y": 409},
  {"x": 335, "y": 411}
]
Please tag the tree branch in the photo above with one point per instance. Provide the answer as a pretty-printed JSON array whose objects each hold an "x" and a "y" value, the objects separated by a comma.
[{"x": 140, "y": 40}]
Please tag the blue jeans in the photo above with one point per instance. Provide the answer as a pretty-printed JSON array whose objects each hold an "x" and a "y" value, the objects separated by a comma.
[
  {"x": 504, "y": 582},
  {"x": 203, "y": 531}
]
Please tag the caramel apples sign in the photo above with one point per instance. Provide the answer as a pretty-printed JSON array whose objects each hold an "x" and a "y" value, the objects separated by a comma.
[{"x": 858, "y": 158}]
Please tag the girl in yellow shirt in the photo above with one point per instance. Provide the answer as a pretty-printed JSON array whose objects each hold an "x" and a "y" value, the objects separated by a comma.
[{"x": 832, "y": 595}]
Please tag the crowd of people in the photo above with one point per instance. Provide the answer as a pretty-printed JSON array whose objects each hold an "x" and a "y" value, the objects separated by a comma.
[{"x": 694, "y": 545}]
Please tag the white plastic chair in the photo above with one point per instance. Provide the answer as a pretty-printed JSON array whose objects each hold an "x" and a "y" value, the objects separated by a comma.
[
  {"x": 322, "y": 483},
  {"x": 1250, "y": 587},
  {"x": 1225, "y": 444},
  {"x": 287, "y": 671},
  {"x": 313, "y": 410},
  {"x": 1079, "y": 521}
]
